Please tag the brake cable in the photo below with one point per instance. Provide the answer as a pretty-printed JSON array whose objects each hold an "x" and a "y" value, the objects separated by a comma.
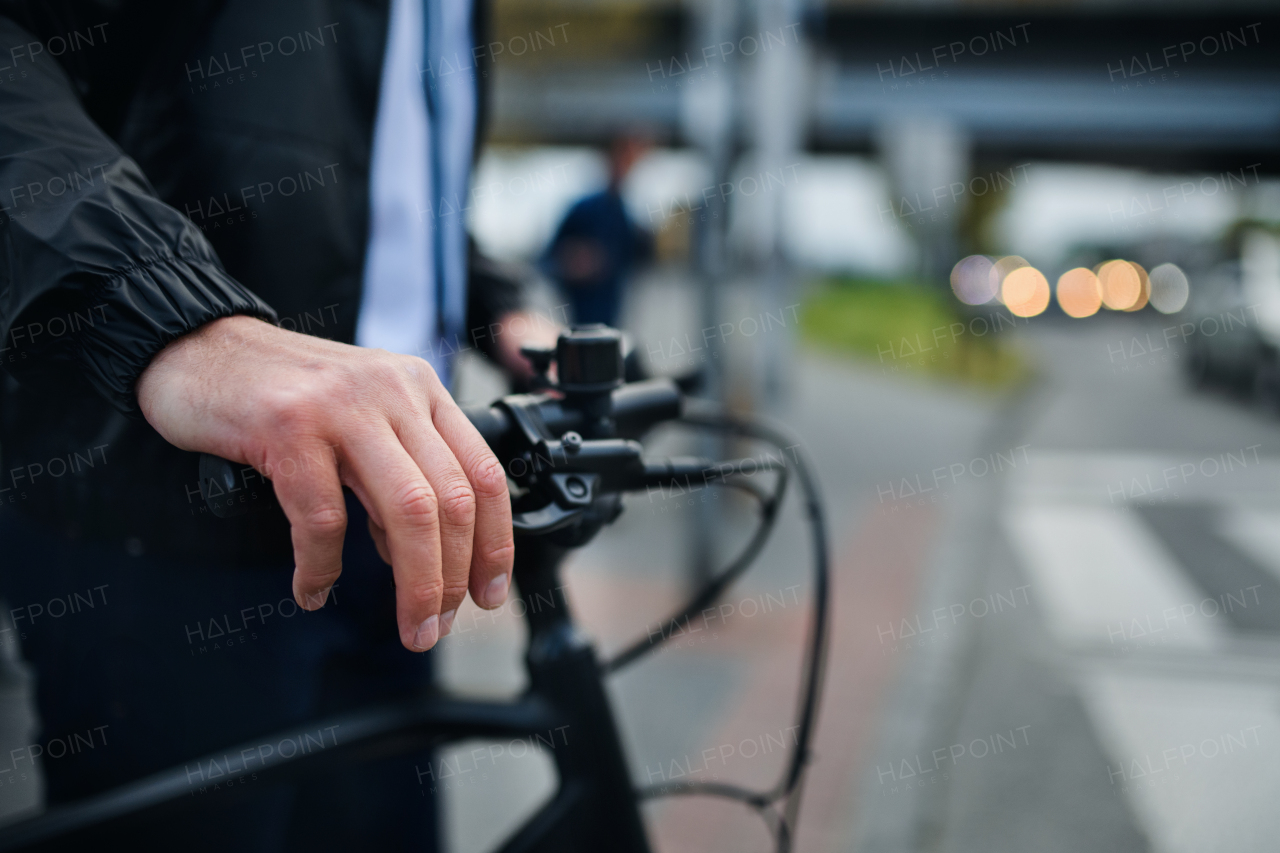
[
  {"x": 787, "y": 792},
  {"x": 723, "y": 579}
]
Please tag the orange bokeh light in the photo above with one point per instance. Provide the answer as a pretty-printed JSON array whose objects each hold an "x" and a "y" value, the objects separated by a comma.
[
  {"x": 1001, "y": 269},
  {"x": 1079, "y": 292},
  {"x": 1121, "y": 286},
  {"x": 1025, "y": 292}
]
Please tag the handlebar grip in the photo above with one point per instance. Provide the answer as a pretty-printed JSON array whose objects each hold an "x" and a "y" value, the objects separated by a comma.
[
  {"x": 491, "y": 422},
  {"x": 218, "y": 476},
  {"x": 218, "y": 484},
  {"x": 637, "y": 406}
]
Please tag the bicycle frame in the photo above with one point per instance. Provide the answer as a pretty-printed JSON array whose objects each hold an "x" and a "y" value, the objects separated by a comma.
[{"x": 595, "y": 804}]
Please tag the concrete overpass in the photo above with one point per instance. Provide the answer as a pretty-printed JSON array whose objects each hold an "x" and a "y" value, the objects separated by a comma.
[{"x": 1164, "y": 86}]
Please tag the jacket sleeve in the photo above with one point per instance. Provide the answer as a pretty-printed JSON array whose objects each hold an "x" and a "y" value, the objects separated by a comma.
[
  {"x": 493, "y": 291},
  {"x": 97, "y": 274}
]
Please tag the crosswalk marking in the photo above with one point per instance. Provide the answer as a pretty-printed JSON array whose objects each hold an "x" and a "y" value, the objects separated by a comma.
[
  {"x": 1193, "y": 750},
  {"x": 1114, "y": 479},
  {"x": 1103, "y": 579}
]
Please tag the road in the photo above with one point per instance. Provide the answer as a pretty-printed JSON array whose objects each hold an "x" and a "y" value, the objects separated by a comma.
[{"x": 1114, "y": 673}]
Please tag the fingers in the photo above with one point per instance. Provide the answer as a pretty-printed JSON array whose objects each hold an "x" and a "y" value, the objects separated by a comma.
[
  {"x": 493, "y": 549},
  {"x": 456, "y": 503},
  {"x": 312, "y": 499},
  {"x": 409, "y": 510},
  {"x": 439, "y": 508}
]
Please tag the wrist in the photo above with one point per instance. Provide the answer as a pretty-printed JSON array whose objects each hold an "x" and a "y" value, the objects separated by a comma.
[{"x": 197, "y": 347}]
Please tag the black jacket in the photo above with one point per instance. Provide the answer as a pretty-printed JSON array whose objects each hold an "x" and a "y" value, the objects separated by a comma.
[{"x": 162, "y": 165}]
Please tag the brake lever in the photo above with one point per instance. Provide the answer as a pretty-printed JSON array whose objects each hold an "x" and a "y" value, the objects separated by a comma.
[{"x": 549, "y": 518}]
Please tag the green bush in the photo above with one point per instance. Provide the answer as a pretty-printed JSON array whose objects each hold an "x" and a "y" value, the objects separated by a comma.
[{"x": 906, "y": 327}]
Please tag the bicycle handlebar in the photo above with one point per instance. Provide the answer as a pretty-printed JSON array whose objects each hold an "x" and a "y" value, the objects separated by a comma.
[
  {"x": 636, "y": 408},
  {"x": 567, "y": 447}
]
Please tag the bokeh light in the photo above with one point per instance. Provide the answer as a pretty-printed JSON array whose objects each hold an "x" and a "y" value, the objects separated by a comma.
[
  {"x": 1169, "y": 289},
  {"x": 971, "y": 280},
  {"x": 1079, "y": 292},
  {"x": 1121, "y": 287},
  {"x": 1144, "y": 294},
  {"x": 1025, "y": 292},
  {"x": 1001, "y": 269}
]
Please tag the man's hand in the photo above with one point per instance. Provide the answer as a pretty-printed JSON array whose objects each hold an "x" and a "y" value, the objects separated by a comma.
[
  {"x": 516, "y": 329},
  {"x": 313, "y": 416}
]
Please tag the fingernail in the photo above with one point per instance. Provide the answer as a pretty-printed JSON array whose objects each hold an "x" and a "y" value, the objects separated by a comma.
[
  {"x": 496, "y": 592},
  {"x": 428, "y": 633},
  {"x": 315, "y": 600},
  {"x": 446, "y": 622}
]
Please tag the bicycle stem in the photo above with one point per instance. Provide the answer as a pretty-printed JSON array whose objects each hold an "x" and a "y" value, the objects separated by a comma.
[{"x": 595, "y": 807}]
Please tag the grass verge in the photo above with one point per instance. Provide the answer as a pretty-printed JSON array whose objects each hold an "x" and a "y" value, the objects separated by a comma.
[{"x": 908, "y": 328}]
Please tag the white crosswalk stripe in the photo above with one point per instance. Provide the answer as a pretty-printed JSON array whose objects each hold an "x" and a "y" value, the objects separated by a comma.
[
  {"x": 1101, "y": 577},
  {"x": 1193, "y": 747}
]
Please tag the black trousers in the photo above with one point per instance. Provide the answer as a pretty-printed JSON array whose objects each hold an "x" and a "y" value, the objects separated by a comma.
[{"x": 142, "y": 664}]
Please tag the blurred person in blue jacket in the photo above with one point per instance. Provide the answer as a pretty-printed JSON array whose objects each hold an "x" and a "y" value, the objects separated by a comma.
[{"x": 598, "y": 246}]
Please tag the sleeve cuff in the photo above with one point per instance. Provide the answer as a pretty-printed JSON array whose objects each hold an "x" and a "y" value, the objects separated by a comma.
[{"x": 144, "y": 307}]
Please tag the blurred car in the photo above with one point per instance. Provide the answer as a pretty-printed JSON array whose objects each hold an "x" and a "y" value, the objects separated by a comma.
[{"x": 1236, "y": 313}]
